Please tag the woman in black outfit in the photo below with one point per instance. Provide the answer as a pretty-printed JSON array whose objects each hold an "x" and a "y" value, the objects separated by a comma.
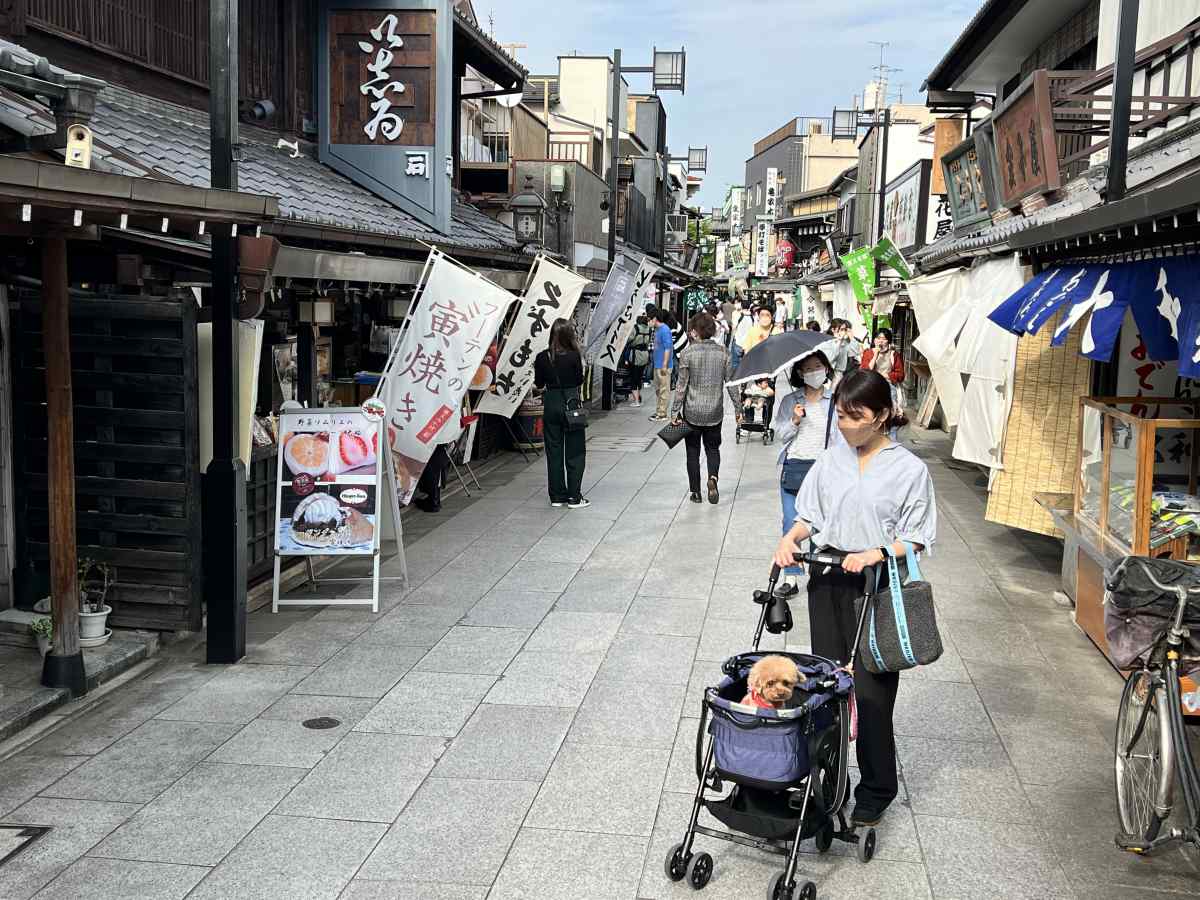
[{"x": 558, "y": 370}]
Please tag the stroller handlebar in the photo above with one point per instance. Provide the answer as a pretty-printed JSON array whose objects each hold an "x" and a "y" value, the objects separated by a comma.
[{"x": 831, "y": 558}]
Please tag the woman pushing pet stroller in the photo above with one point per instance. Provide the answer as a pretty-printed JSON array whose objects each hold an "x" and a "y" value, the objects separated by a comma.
[{"x": 864, "y": 496}]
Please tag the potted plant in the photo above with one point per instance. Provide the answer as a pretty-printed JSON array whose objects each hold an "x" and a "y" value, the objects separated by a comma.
[
  {"x": 95, "y": 578},
  {"x": 43, "y": 630}
]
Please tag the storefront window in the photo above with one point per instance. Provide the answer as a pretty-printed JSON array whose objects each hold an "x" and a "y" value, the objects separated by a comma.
[
  {"x": 1091, "y": 464},
  {"x": 1122, "y": 481}
]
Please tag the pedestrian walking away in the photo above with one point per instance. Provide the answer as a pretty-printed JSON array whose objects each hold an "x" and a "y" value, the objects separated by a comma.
[
  {"x": 704, "y": 368},
  {"x": 558, "y": 370},
  {"x": 679, "y": 342},
  {"x": 805, "y": 423},
  {"x": 662, "y": 361},
  {"x": 637, "y": 357},
  {"x": 864, "y": 493}
]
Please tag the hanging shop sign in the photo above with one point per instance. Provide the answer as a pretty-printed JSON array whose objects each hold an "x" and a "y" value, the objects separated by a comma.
[
  {"x": 860, "y": 267},
  {"x": 736, "y": 199},
  {"x": 785, "y": 254},
  {"x": 947, "y": 134},
  {"x": 385, "y": 92},
  {"x": 889, "y": 255},
  {"x": 906, "y": 206},
  {"x": 552, "y": 293},
  {"x": 618, "y": 332},
  {"x": 454, "y": 317},
  {"x": 762, "y": 243},
  {"x": 614, "y": 297},
  {"x": 719, "y": 259},
  {"x": 962, "y": 169},
  {"x": 1026, "y": 149}
]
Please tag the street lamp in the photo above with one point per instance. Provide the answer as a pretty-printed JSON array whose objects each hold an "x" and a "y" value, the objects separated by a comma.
[{"x": 528, "y": 209}]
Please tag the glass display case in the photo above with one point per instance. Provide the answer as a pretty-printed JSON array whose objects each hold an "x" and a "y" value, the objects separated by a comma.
[{"x": 1136, "y": 483}]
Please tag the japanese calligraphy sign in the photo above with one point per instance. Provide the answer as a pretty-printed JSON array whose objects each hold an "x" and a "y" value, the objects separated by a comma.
[
  {"x": 906, "y": 206},
  {"x": 1026, "y": 150},
  {"x": 719, "y": 258},
  {"x": 385, "y": 81},
  {"x": 552, "y": 294},
  {"x": 614, "y": 297},
  {"x": 451, "y": 324},
  {"x": 327, "y": 489},
  {"x": 962, "y": 170},
  {"x": 860, "y": 267},
  {"x": 762, "y": 244},
  {"x": 618, "y": 332}
]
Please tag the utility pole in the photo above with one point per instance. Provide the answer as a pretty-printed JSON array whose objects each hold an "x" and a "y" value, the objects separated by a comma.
[
  {"x": 1122, "y": 99},
  {"x": 225, "y": 479}
]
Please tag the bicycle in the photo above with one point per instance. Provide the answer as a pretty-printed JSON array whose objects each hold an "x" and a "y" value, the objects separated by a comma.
[{"x": 1151, "y": 745}]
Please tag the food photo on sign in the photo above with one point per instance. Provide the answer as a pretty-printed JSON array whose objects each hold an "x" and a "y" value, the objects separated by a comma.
[{"x": 328, "y": 482}]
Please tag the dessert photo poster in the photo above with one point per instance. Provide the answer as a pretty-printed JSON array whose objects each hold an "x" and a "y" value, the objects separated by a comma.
[{"x": 329, "y": 477}]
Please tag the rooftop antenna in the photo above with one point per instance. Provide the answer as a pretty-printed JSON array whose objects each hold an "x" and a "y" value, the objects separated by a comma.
[{"x": 491, "y": 23}]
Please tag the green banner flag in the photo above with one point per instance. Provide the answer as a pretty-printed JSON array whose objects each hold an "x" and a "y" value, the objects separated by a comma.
[
  {"x": 860, "y": 266},
  {"x": 889, "y": 255}
]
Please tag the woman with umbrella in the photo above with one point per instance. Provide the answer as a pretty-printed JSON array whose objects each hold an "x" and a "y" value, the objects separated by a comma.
[{"x": 804, "y": 423}]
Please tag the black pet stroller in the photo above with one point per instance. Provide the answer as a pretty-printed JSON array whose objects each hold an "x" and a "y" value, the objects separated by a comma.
[
  {"x": 785, "y": 770},
  {"x": 756, "y": 420}
]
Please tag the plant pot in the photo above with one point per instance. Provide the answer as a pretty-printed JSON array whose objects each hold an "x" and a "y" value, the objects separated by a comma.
[
  {"x": 92, "y": 624},
  {"x": 44, "y": 643}
]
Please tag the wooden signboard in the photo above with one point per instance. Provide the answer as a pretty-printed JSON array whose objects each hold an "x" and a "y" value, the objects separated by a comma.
[
  {"x": 947, "y": 133},
  {"x": 1026, "y": 150},
  {"x": 963, "y": 173}
]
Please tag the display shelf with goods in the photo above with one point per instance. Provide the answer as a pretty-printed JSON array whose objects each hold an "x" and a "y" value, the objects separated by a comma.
[{"x": 1136, "y": 493}]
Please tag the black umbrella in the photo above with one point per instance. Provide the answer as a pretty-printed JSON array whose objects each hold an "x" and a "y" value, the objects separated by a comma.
[{"x": 777, "y": 354}]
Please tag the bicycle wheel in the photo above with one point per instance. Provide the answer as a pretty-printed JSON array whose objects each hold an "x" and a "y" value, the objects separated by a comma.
[{"x": 1144, "y": 761}]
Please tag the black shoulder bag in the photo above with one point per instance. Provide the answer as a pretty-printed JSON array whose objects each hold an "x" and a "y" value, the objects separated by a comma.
[{"x": 576, "y": 416}]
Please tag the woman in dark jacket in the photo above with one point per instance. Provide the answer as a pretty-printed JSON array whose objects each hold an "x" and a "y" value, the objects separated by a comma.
[
  {"x": 704, "y": 367},
  {"x": 558, "y": 370}
]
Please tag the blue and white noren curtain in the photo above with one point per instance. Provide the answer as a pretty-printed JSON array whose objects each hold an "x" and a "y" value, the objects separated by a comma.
[{"x": 1162, "y": 294}]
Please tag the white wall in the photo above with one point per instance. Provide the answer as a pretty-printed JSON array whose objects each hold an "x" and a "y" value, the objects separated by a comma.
[
  {"x": 1156, "y": 20},
  {"x": 585, "y": 92}
]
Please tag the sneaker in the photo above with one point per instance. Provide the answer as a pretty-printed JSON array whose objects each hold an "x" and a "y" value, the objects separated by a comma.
[
  {"x": 581, "y": 503},
  {"x": 695, "y": 497},
  {"x": 713, "y": 494},
  {"x": 558, "y": 503},
  {"x": 658, "y": 418},
  {"x": 865, "y": 818},
  {"x": 635, "y": 404}
]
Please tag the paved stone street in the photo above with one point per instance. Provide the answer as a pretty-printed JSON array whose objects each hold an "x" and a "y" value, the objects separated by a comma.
[{"x": 520, "y": 724}]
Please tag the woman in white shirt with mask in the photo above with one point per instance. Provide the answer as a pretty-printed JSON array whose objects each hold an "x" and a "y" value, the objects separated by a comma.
[{"x": 803, "y": 426}]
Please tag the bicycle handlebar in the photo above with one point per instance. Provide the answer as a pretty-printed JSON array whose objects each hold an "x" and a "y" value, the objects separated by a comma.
[{"x": 1176, "y": 590}]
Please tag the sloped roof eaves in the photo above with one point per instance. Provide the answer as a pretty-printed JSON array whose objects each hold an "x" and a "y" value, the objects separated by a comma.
[
  {"x": 487, "y": 40},
  {"x": 989, "y": 12},
  {"x": 174, "y": 140}
]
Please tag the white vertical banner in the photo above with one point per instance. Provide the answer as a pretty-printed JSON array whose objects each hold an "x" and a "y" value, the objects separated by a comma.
[
  {"x": 766, "y": 224},
  {"x": 618, "y": 332},
  {"x": 553, "y": 293},
  {"x": 453, "y": 318},
  {"x": 719, "y": 262}
]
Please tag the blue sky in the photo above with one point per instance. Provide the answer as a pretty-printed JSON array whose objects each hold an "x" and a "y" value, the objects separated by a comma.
[{"x": 751, "y": 66}]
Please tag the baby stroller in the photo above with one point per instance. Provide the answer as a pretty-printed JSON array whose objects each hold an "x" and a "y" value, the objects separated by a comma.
[
  {"x": 786, "y": 768},
  {"x": 755, "y": 419}
]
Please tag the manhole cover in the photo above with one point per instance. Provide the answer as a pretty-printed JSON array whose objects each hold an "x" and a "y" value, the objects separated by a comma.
[
  {"x": 15, "y": 838},
  {"x": 321, "y": 722}
]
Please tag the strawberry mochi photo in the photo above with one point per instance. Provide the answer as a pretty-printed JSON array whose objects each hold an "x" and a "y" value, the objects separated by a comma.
[{"x": 330, "y": 453}]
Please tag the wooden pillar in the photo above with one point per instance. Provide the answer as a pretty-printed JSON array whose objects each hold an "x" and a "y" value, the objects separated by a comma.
[{"x": 63, "y": 666}]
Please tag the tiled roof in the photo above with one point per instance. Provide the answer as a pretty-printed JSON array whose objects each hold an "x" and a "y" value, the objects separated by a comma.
[{"x": 172, "y": 141}]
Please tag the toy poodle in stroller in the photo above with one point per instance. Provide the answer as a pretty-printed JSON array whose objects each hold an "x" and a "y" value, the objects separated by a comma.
[{"x": 785, "y": 770}]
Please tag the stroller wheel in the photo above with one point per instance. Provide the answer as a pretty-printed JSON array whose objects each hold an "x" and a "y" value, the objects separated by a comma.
[
  {"x": 824, "y": 838},
  {"x": 809, "y": 891},
  {"x": 699, "y": 870},
  {"x": 866, "y": 846},
  {"x": 677, "y": 864},
  {"x": 737, "y": 436},
  {"x": 780, "y": 889}
]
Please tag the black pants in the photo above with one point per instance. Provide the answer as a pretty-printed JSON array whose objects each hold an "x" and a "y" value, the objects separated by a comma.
[
  {"x": 430, "y": 482},
  {"x": 565, "y": 450},
  {"x": 832, "y": 622},
  {"x": 710, "y": 436}
]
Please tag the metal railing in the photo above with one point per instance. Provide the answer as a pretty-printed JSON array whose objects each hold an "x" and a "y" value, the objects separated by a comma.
[{"x": 486, "y": 132}]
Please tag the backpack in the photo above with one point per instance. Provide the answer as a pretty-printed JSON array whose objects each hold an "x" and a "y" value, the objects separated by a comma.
[{"x": 639, "y": 346}]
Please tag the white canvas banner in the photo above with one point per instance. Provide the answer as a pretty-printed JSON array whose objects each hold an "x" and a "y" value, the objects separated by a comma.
[
  {"x": 935, "y": 298},
  {"x": 618, "y": 332},
  {"x": 453, "y": 319},
  {"x": 611, "y": 303},
  {"x": 553, "y": 293},
  {"x": 845, "y": 306}
]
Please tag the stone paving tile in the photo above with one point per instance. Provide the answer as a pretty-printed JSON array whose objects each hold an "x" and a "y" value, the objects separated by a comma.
[
  {"x": 119, "y": 879},
  {"x": 599, "y": 590},
  {"x": 360, "y": 889},
  {"x": 649, "y": 658},
  {"x": 428, "y": 703},
  {"x": 508, "y": 742},
  {"x": 539, "y": 575},
  {"x": 946, "y": 709},
  {"x": 665, "y": 615},
  {"x": 285, "y": 856},
  {"x": 962, "y": 778},
  {"x": 237, "y": 694},
  {"x": 25, "y": 774},
  {"x": 361, "y": 670},
  {"x": 615, "y": 713},
  {"x": 607, "y": 789},
  {"x": 201, "y": 817},
  {"x": 574, "y": 632},
  {"x": 551, "y": 865},
  {"x": 453, "y": 830},
  {"x": 75, "y": 827},
  {"x": 144, "y": 763},
  {"x": 510, "y": 609},
  {"x": 411, "y": 626},
  {"x": 474, "y": 650},
  {"x": 546, "y": 679},
  {"x": 346, "y": 783},
  {"x": 308, "y": 643},
  {"x": 970, "y": 858}
]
